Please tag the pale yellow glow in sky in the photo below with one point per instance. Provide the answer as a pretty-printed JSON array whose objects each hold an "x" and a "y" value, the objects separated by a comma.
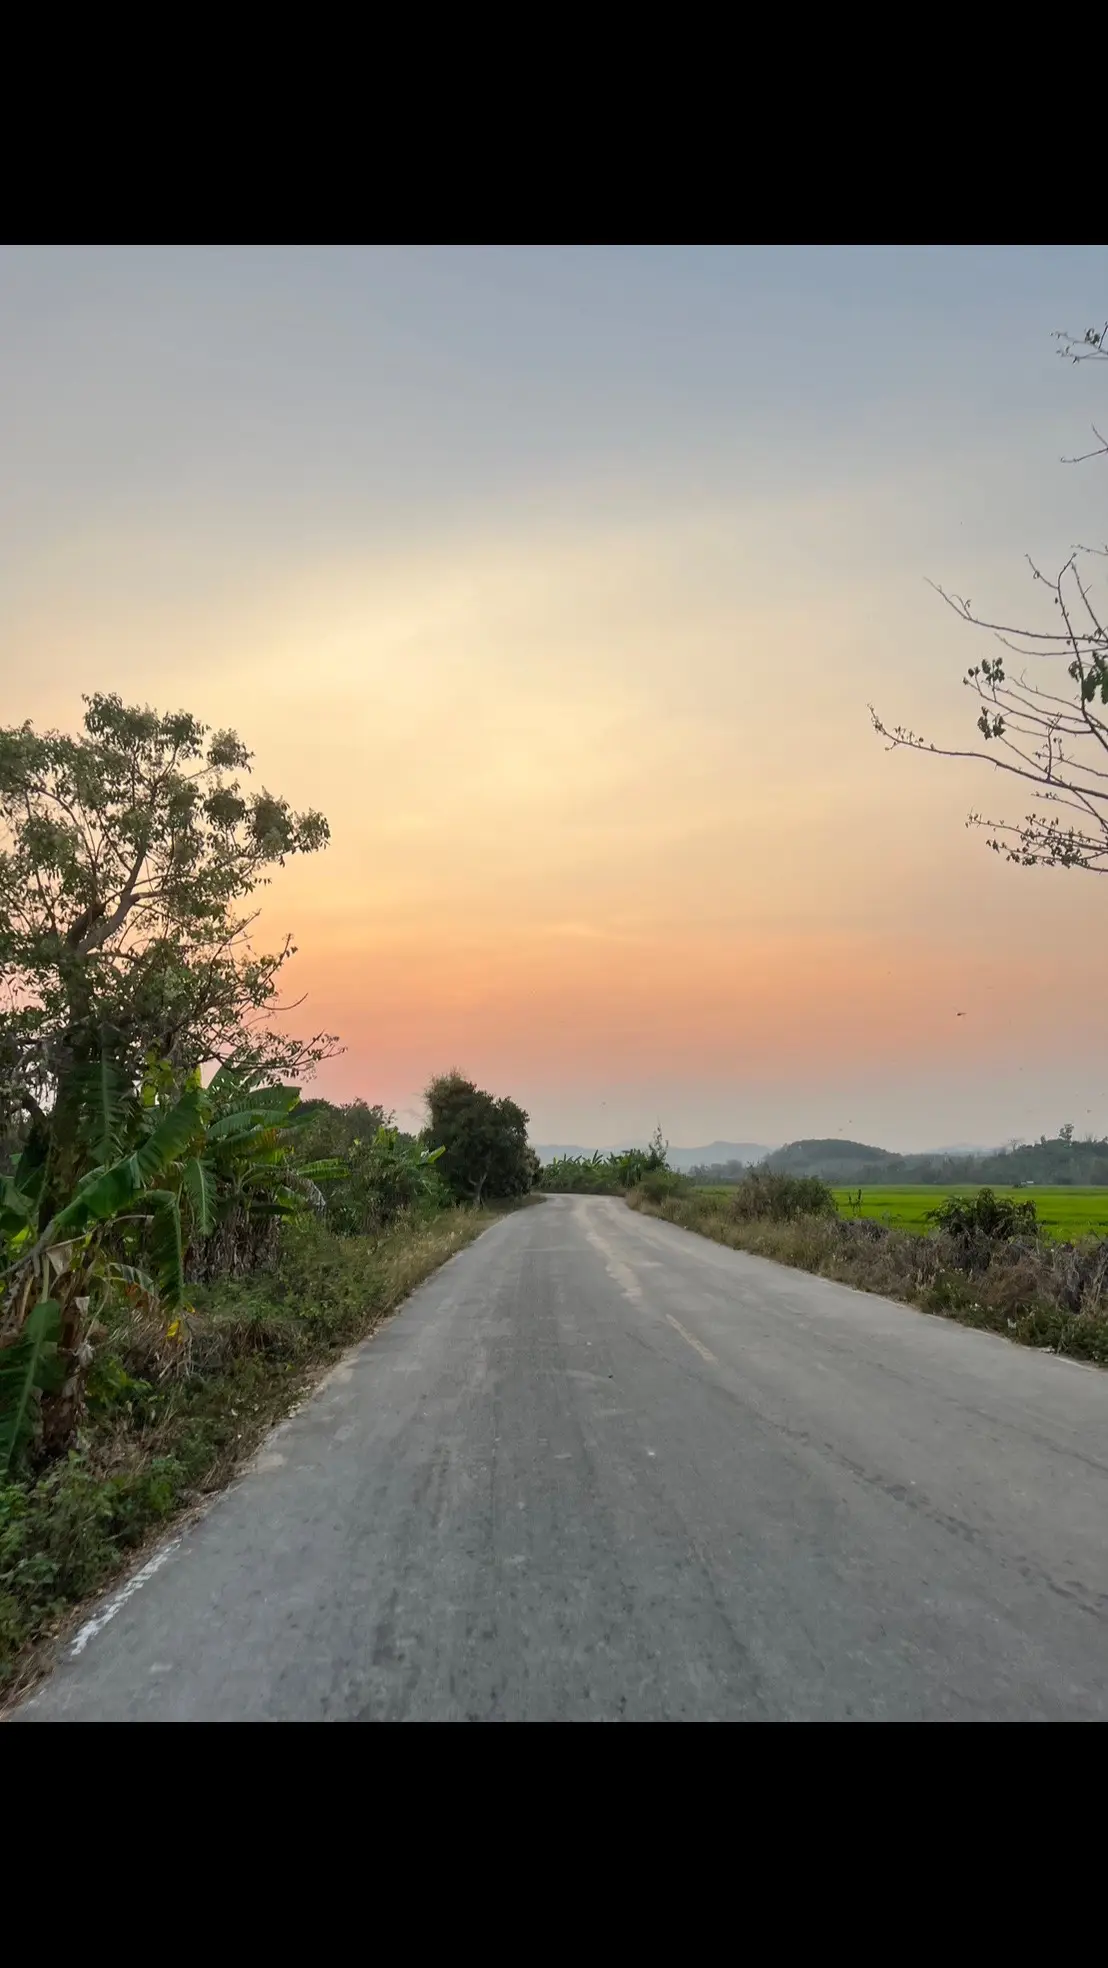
[
  {"x": 610, "y": 827},
  {"x": 604, "y": 809}
]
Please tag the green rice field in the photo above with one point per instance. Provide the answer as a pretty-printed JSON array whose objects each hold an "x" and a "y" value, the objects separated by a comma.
[{"x": 1064, "y": 1213}]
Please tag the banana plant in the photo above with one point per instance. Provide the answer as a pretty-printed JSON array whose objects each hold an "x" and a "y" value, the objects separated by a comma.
[
  {"x": 247, "y": 1179},
  {"x": 60, "y": 1266},
  {"x": 387, "y": 1175},
  {"x": 170, "y": 1166},
  {"x": 29, "y": 1368}
]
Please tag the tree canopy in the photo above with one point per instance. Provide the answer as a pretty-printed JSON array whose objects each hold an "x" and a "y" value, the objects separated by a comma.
[
  {"x": 127, "y": 853},
  {"x": 485, "y": 1140},
  {"x": 124, "y": 859}
]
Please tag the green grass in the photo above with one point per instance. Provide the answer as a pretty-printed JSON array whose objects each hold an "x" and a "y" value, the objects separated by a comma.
[{"x": 1063, "y": 1213}]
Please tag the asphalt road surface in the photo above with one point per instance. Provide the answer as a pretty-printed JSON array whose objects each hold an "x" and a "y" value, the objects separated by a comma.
[{"x": 600, "y": 1469}]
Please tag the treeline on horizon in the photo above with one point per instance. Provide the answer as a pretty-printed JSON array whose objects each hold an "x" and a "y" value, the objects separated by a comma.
[{"x": 1063, "y": 1161}]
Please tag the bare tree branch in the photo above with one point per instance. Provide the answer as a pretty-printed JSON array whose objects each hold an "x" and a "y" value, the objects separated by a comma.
[{"x": 1055, "y": 740}]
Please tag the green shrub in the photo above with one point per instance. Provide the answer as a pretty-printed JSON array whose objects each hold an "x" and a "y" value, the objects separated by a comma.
[
  {"x": 985, "y": 1215},
  {"x": 60, "y": 1536},
  {"x": 766, "y": 1195},
  {"x": 975, "y": 1228},
  {"x": 658, "y": 1184}
]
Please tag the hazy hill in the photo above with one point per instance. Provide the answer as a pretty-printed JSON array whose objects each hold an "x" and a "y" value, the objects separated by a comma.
[
  {"x": 1044, "y": 1161},
  {"x": 838, "y": 1161},
  {"x": 717, "y": 1151}
]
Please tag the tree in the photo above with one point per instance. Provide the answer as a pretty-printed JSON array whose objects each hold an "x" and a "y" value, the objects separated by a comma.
[
  {"x": 485, "y": 1140},
  {"x": 126, "y": 854},
  {"x": 1052, "y": 733},
  {"x": 335, "y": 1130}
]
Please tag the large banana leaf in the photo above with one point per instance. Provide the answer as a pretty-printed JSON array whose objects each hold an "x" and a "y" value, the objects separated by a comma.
[
  {"x": 103, "y": 1194},
  {"x": 242, "y": 1124},
  {"x": 128, "y": 1274},
  {"x": 198, "y": 1178},
  {"x": 171, "y": 1136},
  {"x": 108, "y": 1105},
  {"x": 276, "y": 1100},
  {"x": 30, "y": 1170},
  {"x": 222, "y": 1081},
  {"x": 17, "y": 1210},
  {"x": 106, "y": 1192},
  {"x": 297, "y": 1117},
  {"x": 268, "y": 1142},
  {"x": 241, "y": 1088},
  {"x": 296, "y": 1186},
  {"x": 28, "y": 1365},
  {"x": 167, "y": 1247}
]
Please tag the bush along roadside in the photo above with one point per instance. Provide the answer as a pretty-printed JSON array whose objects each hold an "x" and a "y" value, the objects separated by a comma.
[
  {"x": 984, "y": 1263},
  {"x": 167, "y": 1419}
]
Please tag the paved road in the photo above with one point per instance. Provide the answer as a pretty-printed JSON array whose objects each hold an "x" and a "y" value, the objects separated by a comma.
[{"x": 600, "y": 1469}]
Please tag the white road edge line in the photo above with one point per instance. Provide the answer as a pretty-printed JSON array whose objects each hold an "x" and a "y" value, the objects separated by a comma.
[
  {"x": 94, "y": 1626},
  {"x": 694, "y": 1343}
]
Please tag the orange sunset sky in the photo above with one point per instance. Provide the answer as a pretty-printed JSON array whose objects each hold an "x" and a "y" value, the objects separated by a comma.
[{"x": 560, "y": 579}]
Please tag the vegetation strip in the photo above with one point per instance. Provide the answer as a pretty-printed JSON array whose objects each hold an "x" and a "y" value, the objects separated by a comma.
[
  {"x": 982, "y": 1259},
  {"x": 1067, "y": 1214}
]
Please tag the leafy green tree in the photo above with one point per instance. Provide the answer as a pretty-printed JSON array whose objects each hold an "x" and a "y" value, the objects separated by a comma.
[
  {"x": 126, "y": 854},
  {"x": 485, "y": 1140},
  {"x": 330, "y": 1129}
]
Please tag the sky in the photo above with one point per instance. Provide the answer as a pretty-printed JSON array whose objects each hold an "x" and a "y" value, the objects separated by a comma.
[{"x": 561, "y": 578}]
